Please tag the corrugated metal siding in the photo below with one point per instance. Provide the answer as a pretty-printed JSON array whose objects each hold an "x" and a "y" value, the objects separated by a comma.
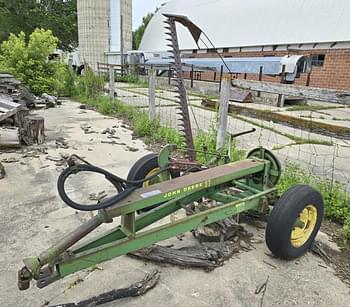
[{"x": 244, "y": 23}]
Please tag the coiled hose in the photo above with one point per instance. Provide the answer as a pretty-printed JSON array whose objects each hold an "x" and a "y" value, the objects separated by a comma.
[{"x": 124, "y": 187}]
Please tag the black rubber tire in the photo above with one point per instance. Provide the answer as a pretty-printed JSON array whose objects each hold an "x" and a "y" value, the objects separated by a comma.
[
  {"x": 282, "y": 219},
  {"x": 142, "y": 167}
]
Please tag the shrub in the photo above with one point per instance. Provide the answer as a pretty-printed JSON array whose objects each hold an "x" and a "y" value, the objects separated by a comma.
[
  {"x": 29, "y": 62},
  {"x": 131, "y": 78},
  {"x": 89, "y": 85}
]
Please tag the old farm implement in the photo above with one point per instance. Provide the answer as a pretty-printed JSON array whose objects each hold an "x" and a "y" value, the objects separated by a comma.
[{"x": 160, "y": 185}]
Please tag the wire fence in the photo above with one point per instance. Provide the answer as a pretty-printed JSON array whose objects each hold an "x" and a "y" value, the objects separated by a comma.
[{"x": 322, "y": 155}]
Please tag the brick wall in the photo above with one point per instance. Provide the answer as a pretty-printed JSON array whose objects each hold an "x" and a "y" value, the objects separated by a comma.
[{"x": 334, "y": 74}]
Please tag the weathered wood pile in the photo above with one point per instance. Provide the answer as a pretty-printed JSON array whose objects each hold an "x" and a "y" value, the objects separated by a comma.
[
  {"x": 17, "y": 126},
  {"x": 13, "y": 88}
]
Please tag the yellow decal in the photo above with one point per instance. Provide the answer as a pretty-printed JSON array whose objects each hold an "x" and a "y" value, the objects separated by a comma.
[{"x": 190, "y": 188}]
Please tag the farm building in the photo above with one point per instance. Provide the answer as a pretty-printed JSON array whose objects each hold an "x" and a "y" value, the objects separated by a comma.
[{"x": 316, "y": 28}]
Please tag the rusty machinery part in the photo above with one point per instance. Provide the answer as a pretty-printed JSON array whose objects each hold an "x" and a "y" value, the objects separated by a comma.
[
  {"x": 183, "y": 113},
  {"x": 275, "y": 170}
]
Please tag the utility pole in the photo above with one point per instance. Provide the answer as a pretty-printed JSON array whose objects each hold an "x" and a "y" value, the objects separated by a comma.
[{"x": 122, "y": 36}]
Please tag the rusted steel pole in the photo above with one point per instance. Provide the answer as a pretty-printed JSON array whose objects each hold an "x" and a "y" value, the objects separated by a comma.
[{"x": 68, "y": 241}]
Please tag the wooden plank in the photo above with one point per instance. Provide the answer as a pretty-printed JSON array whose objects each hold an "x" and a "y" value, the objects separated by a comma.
[
  {"x": 10, "y": 113},
  {"x": 318, "y": 94},
  {"x": 241, "y": 96},
  {"x": 5, "y": 76},
  {"x": 340, "y": 132},
  {"x": 11, "y": 107},
  {"x": 7, "y": 102},
  {"x": 9, "y": 138},
  {"x": 3, "y": 110}
]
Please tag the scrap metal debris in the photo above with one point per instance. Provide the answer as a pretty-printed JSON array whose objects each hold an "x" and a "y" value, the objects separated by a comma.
[
  {"x": 262, "y": 289},
  {"x": 109, "y": 131},
  {"x": 9, "y": 160},
  {"x": 59, "y": 161},
  {"x": 132, "y": 149},
  {"x": 54, "y": 159},
  {"x": 35, "y": 153},
  {"x": 113, "y": 137},
  {"x": 98, "y": 196},
  {"x": 2, "y": 171},
  {"x": 136, "y": 289},
  {"x": 113, "y": 143},
  {"x": 87, "y": 129},
  {"x": 62, "y": 143}
]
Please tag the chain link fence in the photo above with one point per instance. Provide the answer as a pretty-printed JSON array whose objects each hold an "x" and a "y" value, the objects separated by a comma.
[{"x": 324, "y": 155}]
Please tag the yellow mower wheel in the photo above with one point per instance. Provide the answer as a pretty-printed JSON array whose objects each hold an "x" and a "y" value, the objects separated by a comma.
[{"x": 294, "y": 222}]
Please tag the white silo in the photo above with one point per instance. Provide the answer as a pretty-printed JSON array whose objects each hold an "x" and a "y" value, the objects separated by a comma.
[{"x": 105, "y": 29}]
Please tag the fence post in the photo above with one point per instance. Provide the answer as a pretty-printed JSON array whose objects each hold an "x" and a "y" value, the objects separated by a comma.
[
  {"x": 192, "y": 75},
  {"x": 281, "y": 98},
  {"x": 308, "y": 79},
  {"x": 260, "y": 79},
  {"x": 152, "y": 94},
  {"x": 223, "y": 111},
  {"x": 221, "y": 74},
  {"x": 169, "y": 75},
  {"x": 111, "y": 82}
]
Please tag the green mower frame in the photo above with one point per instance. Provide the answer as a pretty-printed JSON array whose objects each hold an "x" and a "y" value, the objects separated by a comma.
[{"x": 247, "y": 185}]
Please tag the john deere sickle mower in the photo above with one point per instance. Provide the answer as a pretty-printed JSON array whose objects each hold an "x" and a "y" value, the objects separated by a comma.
[{"x": 159, "y": 185}]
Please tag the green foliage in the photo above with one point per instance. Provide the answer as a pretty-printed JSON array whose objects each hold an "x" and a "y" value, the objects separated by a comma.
[
  {"x": 60, "y": 16},
  {"x": 208, "y": 140},
  {"x": 29, "y": 61},
  {"x": 171, "y": 136},
  {"x": 131, "y": 78},
  {"x": 346, "y": 229},
  {"x": 89, "y": 85},
  {"x": 337, "y": 202},
  {"x": 137, "y": 35}
]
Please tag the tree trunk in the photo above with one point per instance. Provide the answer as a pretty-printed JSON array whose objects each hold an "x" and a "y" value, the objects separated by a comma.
[{"x": 33, "y": 130}]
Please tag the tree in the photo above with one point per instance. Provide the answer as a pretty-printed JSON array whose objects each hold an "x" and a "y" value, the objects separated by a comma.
[
  {"x": 60, "y": 16},
  {"x": 29, "y": 61},
  {"x": 137, "y": 35}
]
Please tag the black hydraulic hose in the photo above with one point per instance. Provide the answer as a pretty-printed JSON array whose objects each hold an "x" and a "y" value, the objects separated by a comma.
[{"x": 124, "y": 187}]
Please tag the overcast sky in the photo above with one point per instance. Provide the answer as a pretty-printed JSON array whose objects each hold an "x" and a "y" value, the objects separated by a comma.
[{"x": 142, "y": 7}]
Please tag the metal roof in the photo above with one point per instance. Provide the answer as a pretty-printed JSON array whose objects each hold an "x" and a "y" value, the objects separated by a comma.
[{"x": 247, "y": 23}]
